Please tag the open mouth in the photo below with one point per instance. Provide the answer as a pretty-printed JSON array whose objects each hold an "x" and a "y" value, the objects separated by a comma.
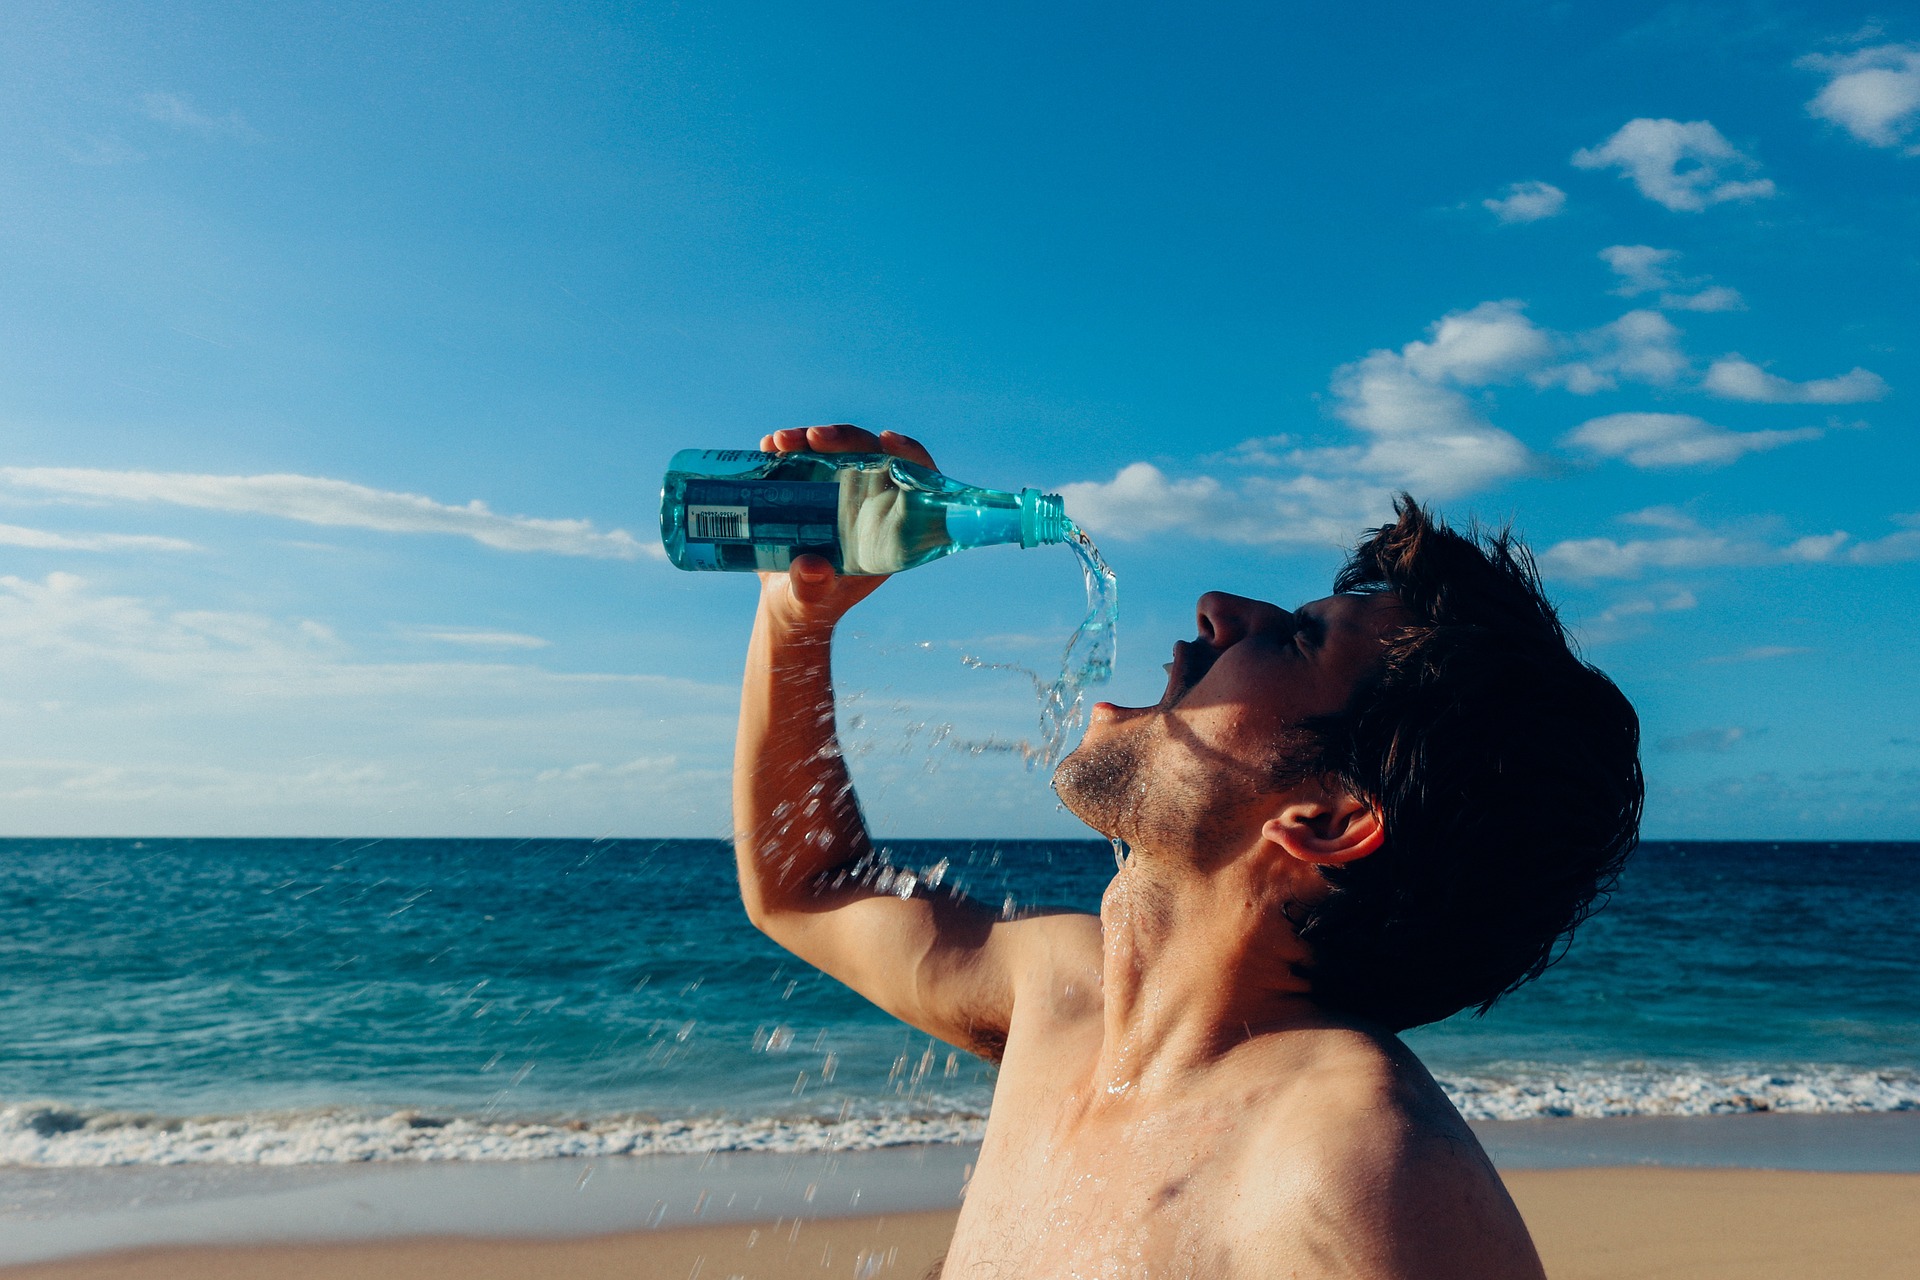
[{"x": 1191, "y": 661}]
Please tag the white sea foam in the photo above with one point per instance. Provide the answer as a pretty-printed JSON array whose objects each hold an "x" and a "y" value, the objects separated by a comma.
[
  {"x": 1527, "y": 1092},
  {"x": 50, "y": 1135}
]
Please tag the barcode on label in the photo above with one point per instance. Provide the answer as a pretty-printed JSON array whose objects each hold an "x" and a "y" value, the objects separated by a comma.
[{"x": 717, "y": 523}]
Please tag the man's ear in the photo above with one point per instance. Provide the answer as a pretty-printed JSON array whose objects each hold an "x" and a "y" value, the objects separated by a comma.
[{"x": 1327, "y": 826}]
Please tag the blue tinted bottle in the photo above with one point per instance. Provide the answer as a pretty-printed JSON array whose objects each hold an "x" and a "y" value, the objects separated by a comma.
[{"x": 867, "y": 513}]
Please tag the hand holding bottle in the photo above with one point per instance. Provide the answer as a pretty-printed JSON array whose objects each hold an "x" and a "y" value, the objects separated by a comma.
[{"x": 810, "y": 594}]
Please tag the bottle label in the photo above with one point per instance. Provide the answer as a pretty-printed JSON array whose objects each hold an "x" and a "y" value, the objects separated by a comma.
[{"x": 784, "y": 513}]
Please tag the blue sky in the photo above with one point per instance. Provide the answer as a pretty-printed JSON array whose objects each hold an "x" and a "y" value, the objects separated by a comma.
[{"x": 341, "y": 351}]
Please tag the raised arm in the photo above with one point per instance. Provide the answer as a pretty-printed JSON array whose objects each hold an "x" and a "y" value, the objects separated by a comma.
[{"x": 935, "y": 959}]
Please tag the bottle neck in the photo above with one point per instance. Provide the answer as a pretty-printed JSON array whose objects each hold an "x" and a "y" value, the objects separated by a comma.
[{"x": 1043, "y": 518}]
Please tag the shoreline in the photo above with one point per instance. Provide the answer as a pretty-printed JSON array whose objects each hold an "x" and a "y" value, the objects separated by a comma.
[
  {"x": 1589, "y": 1224},
  {"x": 52, "y": 1214}
]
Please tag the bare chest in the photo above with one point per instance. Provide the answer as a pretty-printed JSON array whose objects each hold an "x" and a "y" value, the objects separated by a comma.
[{"x": 1057, "y": 1196}]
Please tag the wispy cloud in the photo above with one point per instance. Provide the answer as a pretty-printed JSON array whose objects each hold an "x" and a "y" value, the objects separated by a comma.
[
  {"x": 1623, "y": 617},
  {"x": 1688, "y": 545},
  {"x": 1682, "y": 165},
  {"x": 101, "y": 151},
  {"x": 320, "y": 501},
  {"x": 471, "y": 638},
  {"x": 1526, "y": 202},
  {"x": 13, "y": 535},
  {"x": 652, "y": 768},
  {"x": 1733, "y": 377},
  {"x": 1641, "y": 346},
  {"x": 1644, "y": 269},
  {"x": 1874, "y": 94},
  {"x": 1710, "y": 741},
  {"x": 130, "y": 715},
  {"x": 177, "y": 112},
  {"x": 1676, "y": 439},
  {"x": 1672, "y": 602},
  {"x": 1758, "y": 653}
]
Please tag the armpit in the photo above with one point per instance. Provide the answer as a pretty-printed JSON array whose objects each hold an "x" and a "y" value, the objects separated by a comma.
[{"x": 986, "y": 1040}]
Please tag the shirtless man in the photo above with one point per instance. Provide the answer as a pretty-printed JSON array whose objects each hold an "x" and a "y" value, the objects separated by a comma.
[{"x": 1344, "y": 820}]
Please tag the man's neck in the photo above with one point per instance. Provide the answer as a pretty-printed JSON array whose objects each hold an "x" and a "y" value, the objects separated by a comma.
[{"x": 1196, "y": 964}]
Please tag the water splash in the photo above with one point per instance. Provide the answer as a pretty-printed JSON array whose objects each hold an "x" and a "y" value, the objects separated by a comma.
[{"x": 1087, "y": 661}]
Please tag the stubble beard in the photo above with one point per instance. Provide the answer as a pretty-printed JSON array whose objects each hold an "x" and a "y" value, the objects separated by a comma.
[
  {"x": 1102, "y": 785},
  {"x": 1128, "y": 787}
]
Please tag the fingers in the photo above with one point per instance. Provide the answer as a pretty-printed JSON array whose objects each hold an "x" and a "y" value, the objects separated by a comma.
[
  {"x": 840, "y": 437},
  {"x": 906, "y": 447},
  {"x": 843, "y": 437}
]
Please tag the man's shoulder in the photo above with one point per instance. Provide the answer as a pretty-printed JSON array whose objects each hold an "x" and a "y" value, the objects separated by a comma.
[
  {"x": 1364, "y": 1141},
  {"x": 1358, "y": 1102}
]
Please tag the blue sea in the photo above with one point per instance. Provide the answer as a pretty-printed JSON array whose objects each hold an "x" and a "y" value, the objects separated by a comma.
[{"x": 318, "y": 1001}]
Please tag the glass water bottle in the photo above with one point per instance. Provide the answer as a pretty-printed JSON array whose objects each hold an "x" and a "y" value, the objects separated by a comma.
[{"x": 867, "y": 513}]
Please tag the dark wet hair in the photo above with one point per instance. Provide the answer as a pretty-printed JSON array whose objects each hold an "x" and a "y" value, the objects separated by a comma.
[{"x": 1505, "y": 770}]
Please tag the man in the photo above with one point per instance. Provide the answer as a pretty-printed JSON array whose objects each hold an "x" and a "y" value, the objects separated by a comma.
[{"x": 1344, "y": 820}]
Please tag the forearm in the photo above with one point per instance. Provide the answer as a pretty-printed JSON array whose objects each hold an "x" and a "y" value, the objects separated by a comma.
[{"x": 795, "y": 815}]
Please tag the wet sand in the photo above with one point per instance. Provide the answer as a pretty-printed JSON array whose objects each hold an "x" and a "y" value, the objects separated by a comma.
[{"x": 1590, "y": 1224}]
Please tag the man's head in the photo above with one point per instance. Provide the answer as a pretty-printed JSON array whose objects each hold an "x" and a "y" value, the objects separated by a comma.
[{"x": 1462, "y": 786}]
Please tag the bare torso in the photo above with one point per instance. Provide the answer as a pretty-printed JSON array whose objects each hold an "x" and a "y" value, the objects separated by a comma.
[{"x": 1302, "y": 1153}]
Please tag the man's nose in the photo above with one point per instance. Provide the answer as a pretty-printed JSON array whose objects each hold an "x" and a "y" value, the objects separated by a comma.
[{"x": 1225, "y": 619}]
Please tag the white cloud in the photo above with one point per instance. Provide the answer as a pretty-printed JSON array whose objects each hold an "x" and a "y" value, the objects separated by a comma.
[
  {"x": 1644, "y": 269},
  {"x": 1140, "y": 500},
  {"x": 648, "y": 768},
  {"x": 1641, "y": 267},
  {"x": 1689, "y": 546},
  {"x": 13, "y": 535},
  {"x": 1587, "y": 558},
  {"x": 177, "y": 112},
  {"x": 1874, "y": 94},
  {"x": 1713, "y": 298},
  {"x": 1616, "y": 619},
  {"x": 1677, "y": 164},
  {"x": 1641, "y": 346},
  {"x": 1490, "y": 343},
  {"x": 477, "y": 639},
  {"x": 1422, "y": 434},
  {"x": 1734, "y": 378},
  {"x": 1717, "y": 741},
  {"x": 1894, "y": 548},
  {"x": 320, "y": 501},
  {"x": 1661, "y": 518},
  {"x": 1527, "y": 202},
  {"x": 1676, "y": 439}
]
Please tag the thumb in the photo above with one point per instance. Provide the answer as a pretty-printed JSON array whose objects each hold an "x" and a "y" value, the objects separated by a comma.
[{"x": 810, "y": 578}]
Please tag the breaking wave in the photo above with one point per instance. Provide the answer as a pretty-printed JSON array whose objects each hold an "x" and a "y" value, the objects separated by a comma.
[
  {"x": 52, "y": 1135},
  {"x": 1537, "y": 1093},
  {"x": 48, "y": 1135}
]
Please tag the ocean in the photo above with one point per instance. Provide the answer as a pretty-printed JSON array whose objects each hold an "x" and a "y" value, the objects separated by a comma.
[{"x": 285, "y": 1002}]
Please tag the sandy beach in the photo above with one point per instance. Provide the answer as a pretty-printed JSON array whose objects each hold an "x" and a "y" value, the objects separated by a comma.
[{"x": 1590, "y": 1224}]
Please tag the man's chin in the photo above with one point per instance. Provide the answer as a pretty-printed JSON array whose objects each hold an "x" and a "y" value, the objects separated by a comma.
[{"x": 1096, "y": 779}]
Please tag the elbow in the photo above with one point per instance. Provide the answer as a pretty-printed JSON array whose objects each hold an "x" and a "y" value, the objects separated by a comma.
[{"x": 757, "y": 914}]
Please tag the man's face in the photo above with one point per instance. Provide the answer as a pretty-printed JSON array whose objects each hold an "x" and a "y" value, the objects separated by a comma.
[{"x": 1199, "y": 767}]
